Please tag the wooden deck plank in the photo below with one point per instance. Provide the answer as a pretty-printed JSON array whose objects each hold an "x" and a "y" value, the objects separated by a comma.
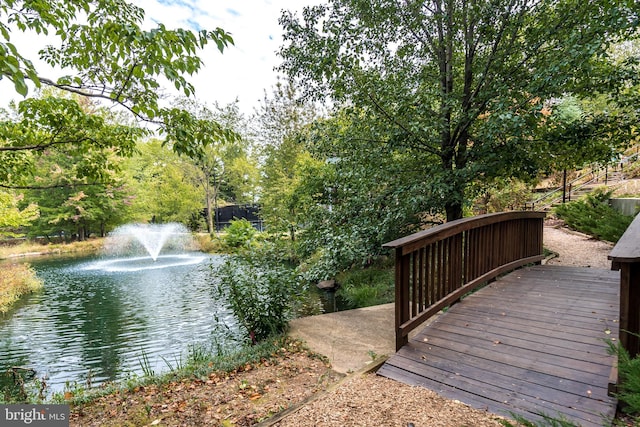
[
  {"x": 531, "y": 343},
  {"x": 544, "y": 346},
  {"x": 511, "y": 326},
  {"x": 515, "y": 394},
  {"x": 515, "y": 370}
]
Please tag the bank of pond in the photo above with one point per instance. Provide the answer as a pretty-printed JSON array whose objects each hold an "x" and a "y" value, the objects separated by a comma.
[{"x": 100, "y": 320}]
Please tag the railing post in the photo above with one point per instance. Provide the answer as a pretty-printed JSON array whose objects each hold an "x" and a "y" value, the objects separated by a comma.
[
  {"x": 629, "y": 303},
  {"x": 402, "y": 296},
  {"x": 625, "y": 257}
]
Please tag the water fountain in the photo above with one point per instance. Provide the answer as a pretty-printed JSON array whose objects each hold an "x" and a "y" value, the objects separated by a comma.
[{"x": 134, "y": 247}]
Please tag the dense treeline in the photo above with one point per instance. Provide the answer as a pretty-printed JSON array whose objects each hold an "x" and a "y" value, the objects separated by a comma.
[{"x": 391, "y": 116}]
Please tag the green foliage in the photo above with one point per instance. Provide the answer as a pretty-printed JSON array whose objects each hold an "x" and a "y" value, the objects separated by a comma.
[
  {"x": 366, "y": 287},
  {"x": 629, "y": 379},
  {"x": 261, "y": 293},
  {"x": 225, "y": 171},
  {"x": 12, "y": 217},
  {"x": 281, "y": 119},
  {"x": 107, "y": 54},
  {"x": 55, "y": 126},
  {"x": 466, "y": 85},
  {"x": 162, "y": 186},
  {"x": 503, "y": 194},
  {"x": 366, "y": 194},
  {"x": 547, "y": 421},
  {"x": 240, "y": 233},
  {"x": 593, "y": 215}
]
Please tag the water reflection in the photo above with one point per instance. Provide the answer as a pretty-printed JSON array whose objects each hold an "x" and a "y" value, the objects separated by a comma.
[{"x": 98, "y": 323}]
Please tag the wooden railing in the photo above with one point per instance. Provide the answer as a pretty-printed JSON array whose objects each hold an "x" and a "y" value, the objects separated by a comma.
[
  {"x": 436, "y": 267},
  {"x": 625, "y": 257}
]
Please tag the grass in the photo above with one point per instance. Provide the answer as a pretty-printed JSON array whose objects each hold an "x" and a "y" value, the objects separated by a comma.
[
  {"x": 16, "y": 280},
  {"x": 199, "y": 364},
  {"x": 365, "y": 287},
  {"x": 33, "y": 248}
]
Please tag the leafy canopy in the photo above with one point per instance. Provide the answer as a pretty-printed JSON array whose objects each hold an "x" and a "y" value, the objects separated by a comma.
[
  {"x": 52, "y": 126},
  {"x": 106, "y": 53},
  {"x": 465, "y": 82},
  {"x": 12, "y": 216}
]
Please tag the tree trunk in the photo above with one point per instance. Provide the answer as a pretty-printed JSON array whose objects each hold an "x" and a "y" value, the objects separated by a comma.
[
  {"x": 209, "y": 211},
  {"x": 453, "y": 210}
]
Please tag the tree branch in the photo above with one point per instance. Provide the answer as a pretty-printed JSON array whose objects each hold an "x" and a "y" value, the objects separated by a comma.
[
  {"x": 104, "y": 94},
  {"x": 43, "y": 146},
  {"x": 400, "y": 125},
  {"x": 49, "y": 187}
]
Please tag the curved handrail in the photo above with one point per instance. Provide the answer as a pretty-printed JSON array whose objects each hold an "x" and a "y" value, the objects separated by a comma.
[{"x": 436, "y": 267}]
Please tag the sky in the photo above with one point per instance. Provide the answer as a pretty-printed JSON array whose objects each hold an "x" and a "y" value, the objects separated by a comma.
[{"x": 245, "y": 70}]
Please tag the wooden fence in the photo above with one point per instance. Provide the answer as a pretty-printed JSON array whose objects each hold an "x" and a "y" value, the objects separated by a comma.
[
  {"x": 625, "y": 257},
  {"x": 436, "y": 267}
]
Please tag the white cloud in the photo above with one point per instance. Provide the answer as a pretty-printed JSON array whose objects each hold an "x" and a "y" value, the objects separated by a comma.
[{"x": 244, "y": 70}]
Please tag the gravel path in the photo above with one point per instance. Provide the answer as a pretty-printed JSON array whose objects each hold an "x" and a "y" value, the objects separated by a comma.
[{"x": 576, "y": 249}]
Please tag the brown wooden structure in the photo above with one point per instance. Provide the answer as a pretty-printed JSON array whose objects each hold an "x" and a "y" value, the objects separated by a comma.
[
  {"x": 625, "y": 257},
  {"x": 436, "y": 267},
  {"x": 531, "y": 343}
]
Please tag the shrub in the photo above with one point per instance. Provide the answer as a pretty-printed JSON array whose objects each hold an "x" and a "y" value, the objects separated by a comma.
[
  {"x": 261, "y": 293},
  {"x": 629, "y": 376},
  {"x": 240, "y": 233},
  {"x": 15, "y": 281},
  {"x": 593, "y": 215},
  {"x": 208, "y": 243}
]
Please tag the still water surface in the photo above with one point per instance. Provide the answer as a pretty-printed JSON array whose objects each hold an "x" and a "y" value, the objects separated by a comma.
[{"x": 97, "y": 320}]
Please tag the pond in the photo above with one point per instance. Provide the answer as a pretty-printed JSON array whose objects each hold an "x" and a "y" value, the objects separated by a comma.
[{"x": 99, "y": 320}]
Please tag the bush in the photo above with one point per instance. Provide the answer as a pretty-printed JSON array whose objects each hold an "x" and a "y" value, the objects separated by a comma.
[
  {"x": 366, "y": 287},
  {"x": 629, "y": 375},
  {"x": 261, "y": 293},
  {"x": 15, "y": 281},
  {"x": 593, "y": 215},
  {"x": 207, "y": 243},
  {"x": 240, "y": 233}
]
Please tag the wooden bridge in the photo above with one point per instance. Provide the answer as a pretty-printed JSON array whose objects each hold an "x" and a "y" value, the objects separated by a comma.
[{"x": 532, "y": 342}]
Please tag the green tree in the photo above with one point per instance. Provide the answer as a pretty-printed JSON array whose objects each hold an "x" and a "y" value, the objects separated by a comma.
[
  {"x": 163, "y": 188},
  {"x": 107, "y": 55},
  {"x": 463, "y": 82},
  {"x": 55, "y": 126},
  {"x": 67, "y": 151},
  {"x": 225, "y": 171},
  {"x": 74, "y": 205},
  {"x": 12, "y": 216},
  {"x": 280, "y": 122},
  {"x": 358, "y": 194}
]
